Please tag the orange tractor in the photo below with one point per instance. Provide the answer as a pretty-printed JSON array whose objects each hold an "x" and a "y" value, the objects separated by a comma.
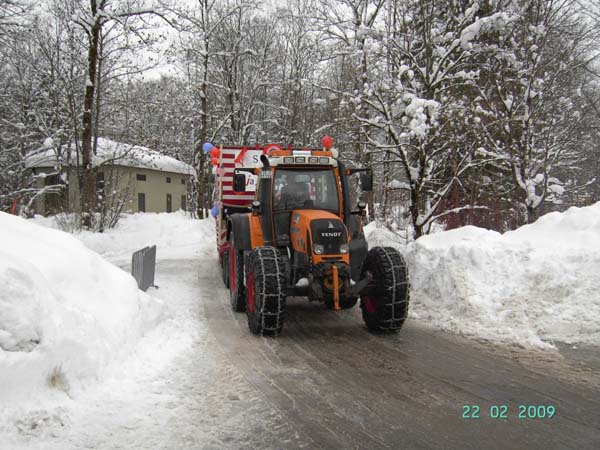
[{"x": 285, "y": 228}]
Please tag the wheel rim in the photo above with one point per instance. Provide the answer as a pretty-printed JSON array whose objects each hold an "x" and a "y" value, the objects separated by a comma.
[
  {"x": 250, "y": 292},
  {"x": 369, "y": 304}
]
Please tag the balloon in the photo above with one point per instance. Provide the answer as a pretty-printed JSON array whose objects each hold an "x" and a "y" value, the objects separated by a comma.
[
  {"x": 327, "y": 141},
  {"x": 206, "y": 147},
  {"x": 214, "y": 211},
  {"x": 214, "y": 152},
  {"x": 214, "y": 161}
]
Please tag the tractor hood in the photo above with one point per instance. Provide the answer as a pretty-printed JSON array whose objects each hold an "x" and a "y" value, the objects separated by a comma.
[{"x": 324, "y": 227}]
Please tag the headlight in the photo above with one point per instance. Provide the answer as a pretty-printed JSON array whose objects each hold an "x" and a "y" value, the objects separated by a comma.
[
  {"x": 344, "y": 248},
  {"x": 319, "y": 249}
]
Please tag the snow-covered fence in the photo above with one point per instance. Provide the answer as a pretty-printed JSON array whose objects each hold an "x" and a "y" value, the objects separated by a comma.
[{"x": 142, "y": 267}]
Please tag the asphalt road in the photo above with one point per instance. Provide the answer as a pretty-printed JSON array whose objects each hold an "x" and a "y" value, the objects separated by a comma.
[{"x": 336, "y": 386}]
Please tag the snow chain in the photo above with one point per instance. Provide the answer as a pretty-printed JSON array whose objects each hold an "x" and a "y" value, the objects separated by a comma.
[
  {"x": 396, "y": 287},
  {"x": 279, "y": 298}
]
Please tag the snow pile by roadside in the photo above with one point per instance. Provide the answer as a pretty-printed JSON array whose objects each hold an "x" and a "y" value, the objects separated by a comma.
[
  {"x": 379, "y": 236},
  {"x": 66, "y": 314},
  {"x": 174, "y": 234},
  {"x": 531, "y": 286}
]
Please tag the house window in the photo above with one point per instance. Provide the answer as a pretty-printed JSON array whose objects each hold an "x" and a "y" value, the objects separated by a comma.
[
  {"x": 183, "y": 202},
  {"x": 51, "y": 180},
  {"x": 140, "y": 177},
  {"x": 168, "y": 179},
  {"x": 141, "y": 202},
  {"x": 169, "y": 203},
  {"x": 183, "y": 181}
]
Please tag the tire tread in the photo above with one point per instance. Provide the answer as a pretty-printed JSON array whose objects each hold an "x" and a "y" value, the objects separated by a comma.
[
  {"x": 269, "y": 281},
  {"x": 391, "y": 281}
]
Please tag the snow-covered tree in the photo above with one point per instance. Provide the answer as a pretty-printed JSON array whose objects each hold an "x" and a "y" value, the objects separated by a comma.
[
  {"x": 530, "y": 103},
  {"x": 200, "y": 26},
  {"x": 418, "y": 96},
  {"x": 42, "y": 73}
]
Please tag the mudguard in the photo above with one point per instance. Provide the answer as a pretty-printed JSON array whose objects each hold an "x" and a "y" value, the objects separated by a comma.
[
  {"x": 239, "y": 225},
  {"x": 358, "y": 254},
  {"x": 354, "y": 228}
]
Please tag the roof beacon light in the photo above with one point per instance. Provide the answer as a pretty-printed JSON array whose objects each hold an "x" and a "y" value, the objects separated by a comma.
[
  {"x": 271, "y": 148},
  {"x": 327, "y": 142},
  {"x": 301, "y": 152}
]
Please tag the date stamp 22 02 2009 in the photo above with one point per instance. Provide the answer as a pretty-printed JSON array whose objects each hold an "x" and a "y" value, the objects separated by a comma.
[{"x": 526, "y": 412}]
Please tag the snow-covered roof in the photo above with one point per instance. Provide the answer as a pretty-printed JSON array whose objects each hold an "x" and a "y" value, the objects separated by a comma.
[
  {"x": 111, "y": 152},
  {"x": 395, "y": 184}
]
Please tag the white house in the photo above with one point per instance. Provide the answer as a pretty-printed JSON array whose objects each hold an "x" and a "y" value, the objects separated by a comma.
[{"x": 138, "y": 178}]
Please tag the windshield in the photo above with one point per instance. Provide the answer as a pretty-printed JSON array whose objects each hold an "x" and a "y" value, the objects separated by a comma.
[{"x": 305, "y": 189}]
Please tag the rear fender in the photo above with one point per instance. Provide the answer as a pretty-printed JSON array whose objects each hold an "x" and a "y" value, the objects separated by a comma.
[
  {"x": 239, "y": 225},
  {"x": 358, "y": 253}
]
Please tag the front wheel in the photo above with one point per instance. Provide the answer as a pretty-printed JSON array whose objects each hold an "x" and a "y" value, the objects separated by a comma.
[
  {"x": 384, "y": 302},
  {"x": 265, "y": 296}
]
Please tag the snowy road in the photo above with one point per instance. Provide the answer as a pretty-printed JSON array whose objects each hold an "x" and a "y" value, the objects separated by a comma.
[
  {"x": 340, "y": 387},
  {"x": 202, "y": 381}
]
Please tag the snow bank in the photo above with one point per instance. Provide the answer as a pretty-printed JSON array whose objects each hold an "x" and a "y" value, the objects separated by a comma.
[
  {"x": 378, "y": 235},
  {"x": 175, "y": 235},
  {"x": 531, "y": 286},
  {"x": 66, "y": 314}
]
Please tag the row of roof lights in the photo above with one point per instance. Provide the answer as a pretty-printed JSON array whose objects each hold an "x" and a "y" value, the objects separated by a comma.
[{"x": 302, "y": 160}]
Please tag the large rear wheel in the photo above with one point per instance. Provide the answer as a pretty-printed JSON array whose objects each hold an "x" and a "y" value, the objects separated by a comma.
[
  {"x": 236, "y": 276},
  {"x": 384, "y": 302},
  {"x": 225, "y": 268},
  {"x": 265, "y": 296}
]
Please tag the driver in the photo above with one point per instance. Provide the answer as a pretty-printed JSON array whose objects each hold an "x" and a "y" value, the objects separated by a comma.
[{"x": 295, "y": 194}]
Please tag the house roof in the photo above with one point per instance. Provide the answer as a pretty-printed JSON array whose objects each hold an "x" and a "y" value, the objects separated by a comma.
[{"x": 114, "y": 153}]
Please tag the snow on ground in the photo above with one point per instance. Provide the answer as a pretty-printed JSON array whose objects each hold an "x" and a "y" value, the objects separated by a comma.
[
  {"x": 66, "y": 316},
  {"x": 70, "y": 320},
  {"x": 531, "y": 286},
  {"x": 174, "y": 234},
  {"x": 379, "y": 235},
  {"x": 176, "y": 390}
]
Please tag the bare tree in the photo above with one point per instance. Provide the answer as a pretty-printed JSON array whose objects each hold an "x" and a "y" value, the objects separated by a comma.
[
  {"x": 93, "y": 20},
  {"x": 200, "y": 28}
]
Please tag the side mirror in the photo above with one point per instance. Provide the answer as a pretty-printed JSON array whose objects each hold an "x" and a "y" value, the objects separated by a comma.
[
  {"x": 362, "y": 208},
  {"x": 366, "y": 181},
  {"x": 239, "y": 182},
  {"x": 255, "y": 208}
]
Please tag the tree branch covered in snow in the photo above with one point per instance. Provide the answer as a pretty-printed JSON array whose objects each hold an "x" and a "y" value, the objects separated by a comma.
[{"x": 479, "y": 103}]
